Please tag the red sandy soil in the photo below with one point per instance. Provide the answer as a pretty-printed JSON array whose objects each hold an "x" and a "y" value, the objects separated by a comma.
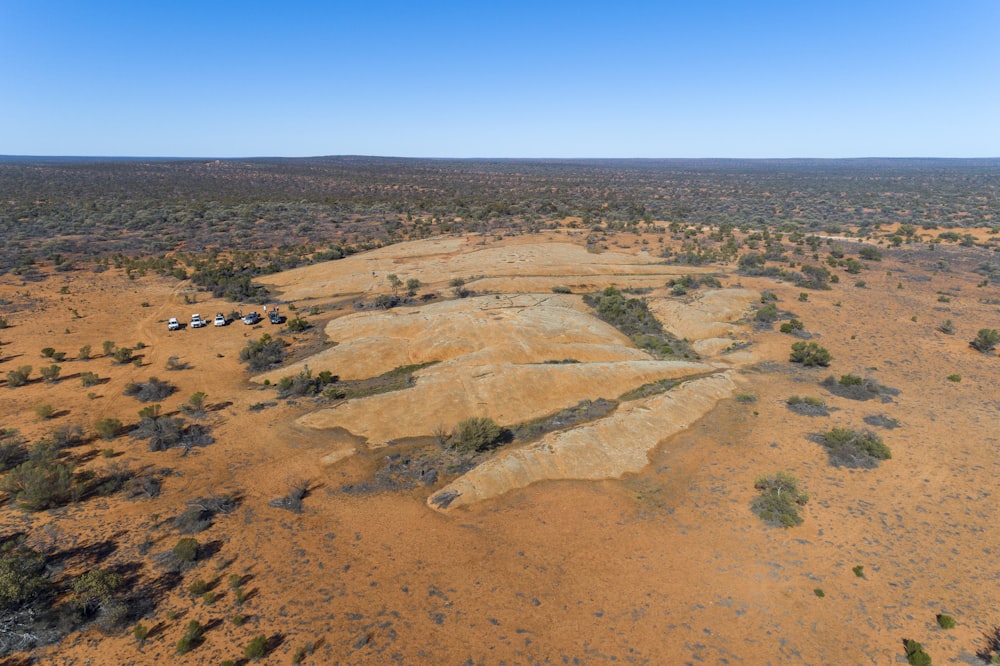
[{"x": 668, "y": 566}]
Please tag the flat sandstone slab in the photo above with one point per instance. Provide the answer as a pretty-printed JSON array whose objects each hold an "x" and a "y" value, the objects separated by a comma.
[{"x": 607, "y": 448}]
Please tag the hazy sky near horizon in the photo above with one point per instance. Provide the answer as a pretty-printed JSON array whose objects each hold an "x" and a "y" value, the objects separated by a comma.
[{"x": 511, "y": 79}]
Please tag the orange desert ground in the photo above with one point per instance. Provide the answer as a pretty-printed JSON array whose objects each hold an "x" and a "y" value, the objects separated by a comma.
[{"x": 625, "y": 539}]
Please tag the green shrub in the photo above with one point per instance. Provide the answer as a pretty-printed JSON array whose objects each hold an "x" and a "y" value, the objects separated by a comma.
[
  {"x": 259, "y": 355},
  {"x": 108, "y": 347},
  {"x": 559, "y": 289},
  {"x": 859, "y": 571},
  {"x": 849, "y": 448},
  {"x": 50, "y": 373},
  {"x": 23, "y": 577},
  {"x": 297, "y": 325},
  {"x": 47, "y": 352},
  {"x": 256, "y": 649},
  {"x": 819, "y": 592},
  {"x": 870, "y": 252},
  {"x": 915, "y": 654},
  {"x": 186, "y": 550},
  {"x": 475, "y": 434},
  {"x": 44, "y": 411},
  {"x": 779, "y": 499},
  {"x": 810, "y": 354},
  {"x": 954, "y": 378},
  {"x": 42, "y": 482},
  {"x": 193, "y": 637},
  {"x": 768, "y": 313},
  {"x": 946, "y": 621},
  {"x": 198, "y": 587},
  {"x": 122, "y": 355},
  {"x": 18, "y": 377},
  {"x": 985, "y": 340},
  {"x": 140, "y": 632},
  {"x": 84, "y": 353},
  {"x": 89, "y": 378},
  {"x": 792, "y": 325},
  {"x": 807, "y": 406},
  {"x": 153, "y": 390}
]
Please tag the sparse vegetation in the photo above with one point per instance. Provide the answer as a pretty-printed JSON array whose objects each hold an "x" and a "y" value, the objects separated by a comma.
[
  {"x": 945, "y": 621},
  {"x": 807, "y": 406},
  {"x": 256, "y": 649},
  {"x": 192, "y": 638},
  {"x": 850, "y": 448},
  {"x": 632, "y": 317},
  {"x": 152, "y": 390},
  {"x": 18, "y": 377},
  {"x": 779, "y": 500}
]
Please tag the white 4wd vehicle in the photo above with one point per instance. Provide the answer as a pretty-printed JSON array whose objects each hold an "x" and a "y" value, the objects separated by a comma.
[
  {"x": 220, "y": 320},
  {"x": 173, "y": 324},
  {"x": 197, "y": 321}
]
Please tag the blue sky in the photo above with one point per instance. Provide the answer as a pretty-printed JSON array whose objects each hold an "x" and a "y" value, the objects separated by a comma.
[{"x": 512, "y": 79}]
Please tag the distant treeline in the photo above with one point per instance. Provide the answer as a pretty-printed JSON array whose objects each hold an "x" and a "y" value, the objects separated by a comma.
[{"x": 66, "y": 210}]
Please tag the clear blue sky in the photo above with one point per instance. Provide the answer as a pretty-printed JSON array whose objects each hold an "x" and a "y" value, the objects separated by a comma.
[{"x": 500, "y": 79}]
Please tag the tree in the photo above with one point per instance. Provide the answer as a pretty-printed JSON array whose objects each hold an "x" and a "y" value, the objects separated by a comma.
[
  {"x": 394, "y": 283},
  {"x": 412, "y": 285}
]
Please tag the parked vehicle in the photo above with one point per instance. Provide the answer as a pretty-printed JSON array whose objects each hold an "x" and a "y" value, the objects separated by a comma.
[
  {"x": 197, "y": 321},
  {"x": 173, "y": 324},
  {"x": 220, "y": 319},
  {"x": 274, "y": 317},
  {"x": 251, "y": 318}
]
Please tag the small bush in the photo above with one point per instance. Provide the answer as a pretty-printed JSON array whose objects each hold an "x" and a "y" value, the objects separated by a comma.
[
  {"x": 946, "y": 621},
  {"x": 559, "y": 289},
  {"x": 256, "y": 649},
  {"x": 792, "y": 326},
  {"x": 140, "y": 632},
  {"x": 849, "y": 448},
  {"x": 947, "y": 327},
  {"x": 42, "y": 482},
  {"x": 859, "y": 571},
  {"x": 954, "y": 378},
  {"x": 807, "y": 406},
  {"x": 259, "y": 355},
  {"x": 810, "y": 354},
  {"x": 819, "y": 592},
  {"x": 122, "y": 355},
  {"x": 174, "y": 363},
  {"x": 915, "y": 654},
  {"x": 18, "y": 377},
  {"x": 50, "y": 373},
  {"x": 198, "y": 587},
  {"x": 746, "y": 397},
  {"x": 779, "y": 499},
  {"x": 297, "y": 325},
  {"x": 89, "y": 379},
  {"x": 186, "y": 550},
  {"x": 193, "y": 637},
  {"x": 47, "y": 352},
  {"x": 986, "y": 340},
  {"x": 870, "y": 252},
  {"x": 108, "y": 428},
  {"x": 768, "y": 313},
  {"x": 475, "y": 434},
  {"x": 153, "y": 390}
]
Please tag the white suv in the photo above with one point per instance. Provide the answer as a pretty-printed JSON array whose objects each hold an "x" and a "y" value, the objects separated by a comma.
[
  {"x": 173, "y": 324},
  {"x": 197, "y": 321},
  {"x": 220, "y": 320}
]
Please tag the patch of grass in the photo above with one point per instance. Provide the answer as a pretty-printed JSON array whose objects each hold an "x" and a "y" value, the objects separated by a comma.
[
  {"x": 954, "y": 378},
  {"x": 394, "y": 380},
  {"x": 859, "y": 571},
  {"x": 882, "y": 421},
  {"x": 582, "y": 412},
  {"x": 746, "y": 397},
  {"x": 807, "y": 406},
  {"x": 779, "y": 500},
  {"x": 650, "y": 389},
  {"x": 819, "y": 592}
]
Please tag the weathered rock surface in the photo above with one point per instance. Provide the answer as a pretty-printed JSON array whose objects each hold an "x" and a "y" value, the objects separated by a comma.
[{"x": 608, "y": 448}]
